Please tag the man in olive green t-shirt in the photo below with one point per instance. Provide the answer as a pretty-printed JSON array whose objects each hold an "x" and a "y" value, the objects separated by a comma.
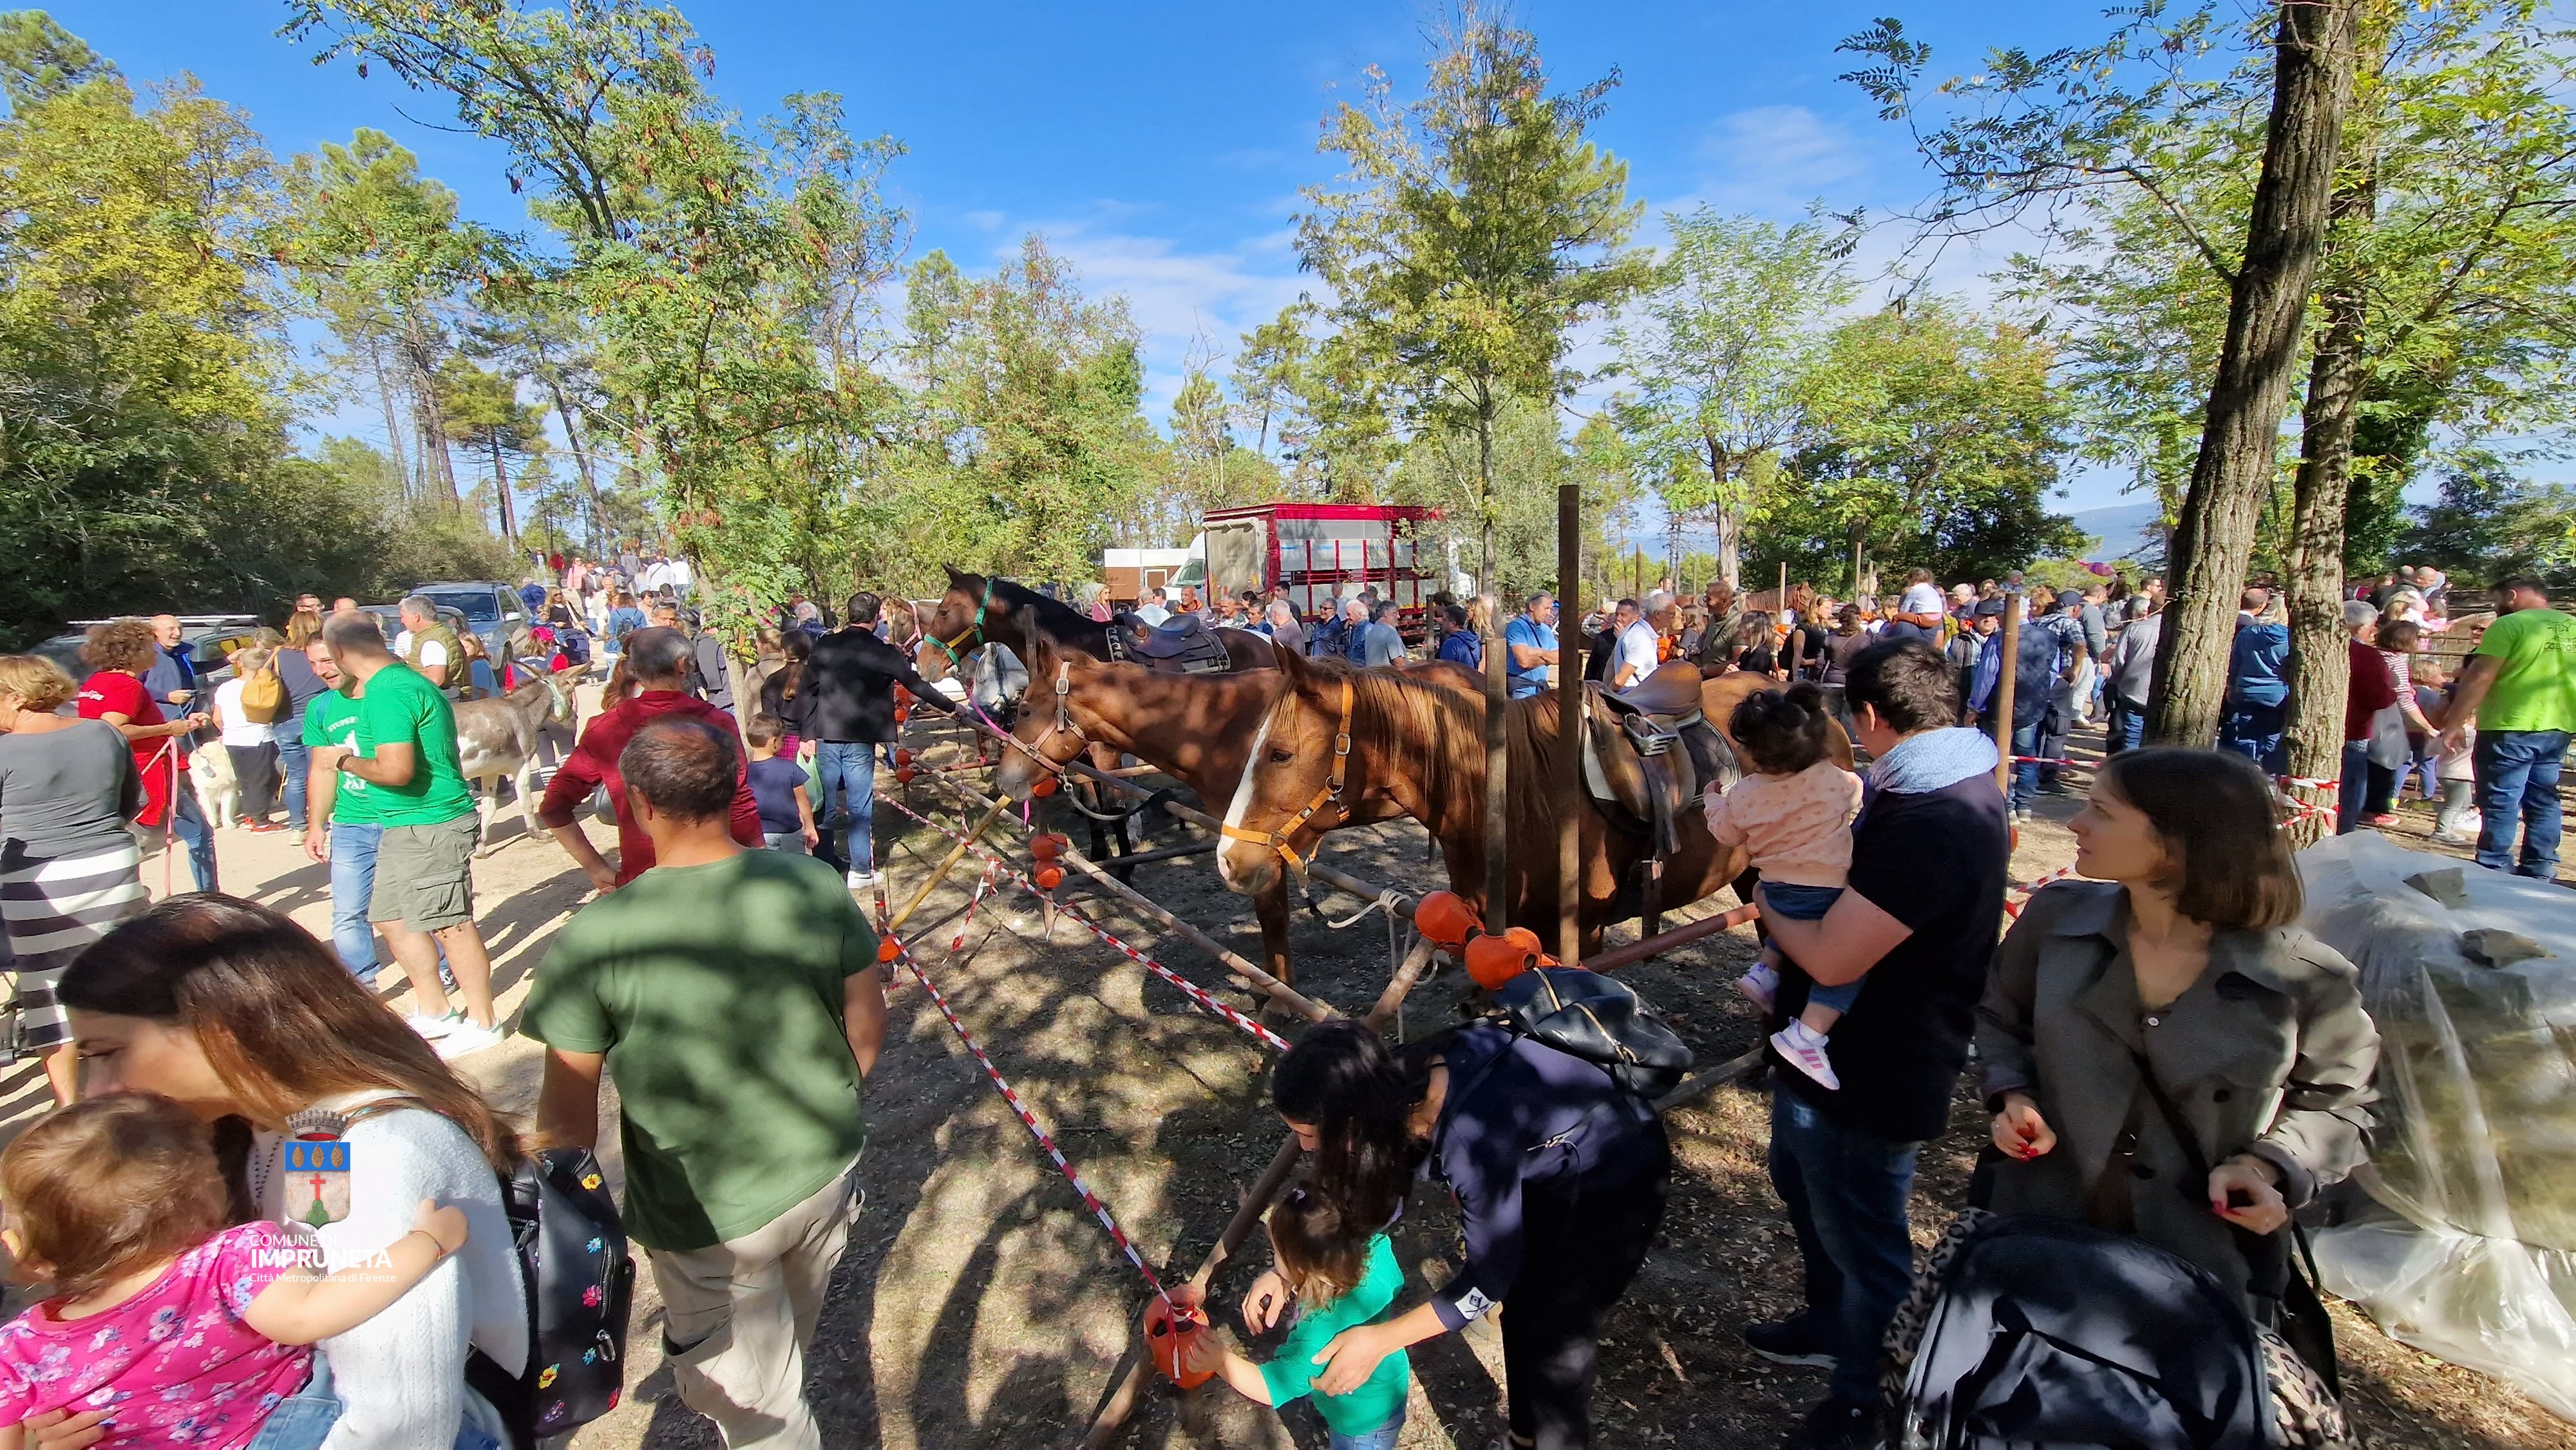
[
  {"x": 423, "y": 896},
  {"x": 2520, "y": 686},
  {"x": 735, "y": 996}
]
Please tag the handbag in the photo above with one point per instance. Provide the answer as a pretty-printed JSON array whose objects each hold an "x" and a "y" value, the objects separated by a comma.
[{"x": 2274, "y": 1261}]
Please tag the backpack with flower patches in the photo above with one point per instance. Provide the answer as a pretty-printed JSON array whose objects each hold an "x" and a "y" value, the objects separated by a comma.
[{"x": 581, "y": 1286}]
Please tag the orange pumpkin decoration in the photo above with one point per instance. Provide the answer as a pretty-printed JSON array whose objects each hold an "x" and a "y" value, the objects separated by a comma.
[
  {"x": 1443, "y": 917},
  {"x": 886, "y": 949},
  {"x": 902, "y": 756},
  {"x": 1042, "y": 787},
  {"x": 1168, "y": 1333},
  {"x": 1050, "y": 877},
  {"x": 903, "y": 775},
  {"x": 1494, "y": 960}
]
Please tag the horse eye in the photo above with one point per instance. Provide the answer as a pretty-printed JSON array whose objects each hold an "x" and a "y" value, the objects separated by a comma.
[{"x": 1282, "y": 755}]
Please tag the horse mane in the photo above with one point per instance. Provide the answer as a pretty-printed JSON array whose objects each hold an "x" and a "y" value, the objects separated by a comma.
[
  {"x": 1436, "y": 734},
  {"x": 1057, "y": 618}
]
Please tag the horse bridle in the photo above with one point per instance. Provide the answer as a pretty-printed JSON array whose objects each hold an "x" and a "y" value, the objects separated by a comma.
[
  {"x": 1331, "y": 790},
  {"x": 957, "y": 661}
]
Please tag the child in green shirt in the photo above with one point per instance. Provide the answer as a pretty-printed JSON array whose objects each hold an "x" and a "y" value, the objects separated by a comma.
[{"x": 1342, "y": 1279}]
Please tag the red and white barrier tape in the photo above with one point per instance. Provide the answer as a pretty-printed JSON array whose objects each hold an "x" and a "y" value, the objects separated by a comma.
[
  {"x": 2013, "y": 908},
  {"x": 1029, "y": 1120},
  {"x": 1196, "y": 993}
]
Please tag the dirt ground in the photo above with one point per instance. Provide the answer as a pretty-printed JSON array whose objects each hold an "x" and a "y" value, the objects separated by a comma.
[{"x": 980, "y": 1305}]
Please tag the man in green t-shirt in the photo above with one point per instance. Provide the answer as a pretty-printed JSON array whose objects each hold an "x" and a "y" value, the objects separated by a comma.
[
  {"x": 340, "y": 829},
  {"x": 735, "y": 996},
  {"x": 423, "y": 896},
  {"x": 2520, "y": 686}
]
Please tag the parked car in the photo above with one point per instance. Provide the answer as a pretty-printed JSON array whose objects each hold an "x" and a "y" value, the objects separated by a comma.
[
  {"x": 488, "y": 609},
  {"x": 210, "y": 638}
]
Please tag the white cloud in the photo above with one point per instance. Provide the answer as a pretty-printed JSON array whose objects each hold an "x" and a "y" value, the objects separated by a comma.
[
  {"x": 1178, "y": 295},
  {"x": 1774, "y": 160},
  {"x": 984, "y": 221}
]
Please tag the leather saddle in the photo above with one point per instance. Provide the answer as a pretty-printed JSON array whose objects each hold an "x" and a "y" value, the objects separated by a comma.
[
  {"x": 1649, "y": 757},
  {"x": 1187, "y": 646}
]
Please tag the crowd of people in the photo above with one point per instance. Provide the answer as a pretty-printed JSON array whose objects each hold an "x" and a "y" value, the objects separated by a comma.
[{"x": 725, "y": 979}]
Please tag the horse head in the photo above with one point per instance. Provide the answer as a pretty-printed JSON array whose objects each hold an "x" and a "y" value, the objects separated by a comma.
[
  {"x": 1045, "y": 726},
  {"x": 1301, "y": 777},
  {"x": 952, "y": 624}
]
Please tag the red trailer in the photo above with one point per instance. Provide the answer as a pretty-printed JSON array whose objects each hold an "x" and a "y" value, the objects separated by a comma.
[{"x": 1313, "y": 550}]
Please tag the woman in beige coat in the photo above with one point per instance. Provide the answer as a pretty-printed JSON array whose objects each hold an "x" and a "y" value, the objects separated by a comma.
[{"x": 2178, "y": 957}]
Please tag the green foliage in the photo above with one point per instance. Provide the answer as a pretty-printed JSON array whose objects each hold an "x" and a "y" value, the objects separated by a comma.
[
  {"x": 1530, "y": 461},
  {"x": 720, "y": 266},
  {"x": 1022, "y": 449},
  {"x": 40, "y": 60},
  {"x": 1471, "y": 229},
  {"x": 2488, "y": 525},
  {"x": 1720, "y": 351},
  {"x": 1934, "y": 439}
]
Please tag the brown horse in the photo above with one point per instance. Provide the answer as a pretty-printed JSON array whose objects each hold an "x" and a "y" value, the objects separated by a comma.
[
  {"x": 1421, "y": 752},
  {"x": 978, "y": 610},
  {"x": 1196, "y": 728}
]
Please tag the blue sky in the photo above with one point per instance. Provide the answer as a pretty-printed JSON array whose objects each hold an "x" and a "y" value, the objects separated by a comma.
[{"x": 1160, "y": 146}]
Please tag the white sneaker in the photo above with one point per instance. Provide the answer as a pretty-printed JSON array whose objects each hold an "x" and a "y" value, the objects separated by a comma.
[
  {"x": 1759, "y": 985},
  {"x": 433, "y": 1028},
  {"x": 862, "y": 880},
  {"x": 466, "y": 1038},
  {"x": 1802, "y": 1049}
]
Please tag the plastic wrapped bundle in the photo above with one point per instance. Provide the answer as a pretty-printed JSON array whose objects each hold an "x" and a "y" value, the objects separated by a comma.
[{"x": 2471, "y": 977}]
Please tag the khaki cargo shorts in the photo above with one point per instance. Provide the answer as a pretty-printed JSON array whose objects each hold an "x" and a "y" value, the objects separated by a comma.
[{"x": 424, "y": 875}]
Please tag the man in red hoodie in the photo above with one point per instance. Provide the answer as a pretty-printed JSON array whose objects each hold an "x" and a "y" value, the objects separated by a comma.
[
  {"x": 658, "y": 660},
  {"x": 2372, "y": 690}
]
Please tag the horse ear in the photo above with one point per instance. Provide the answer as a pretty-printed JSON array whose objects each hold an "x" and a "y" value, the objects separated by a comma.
[
  {"x": 956, "y": 577},
  {"x": 1294, "y": 668}
]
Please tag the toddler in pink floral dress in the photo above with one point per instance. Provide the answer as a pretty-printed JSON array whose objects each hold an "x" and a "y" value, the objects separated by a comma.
[{"x": 189, "y": 1332}]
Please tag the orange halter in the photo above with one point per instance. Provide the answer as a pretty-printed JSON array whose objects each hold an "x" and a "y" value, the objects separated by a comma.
[{"x": 1331, "y": 790}]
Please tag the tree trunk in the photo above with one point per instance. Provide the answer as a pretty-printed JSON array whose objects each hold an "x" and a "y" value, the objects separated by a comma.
[
  {"x": 438, "y": 465},
  {"x": 1497, "y": 817},
  {"x": 2313, "y": 57},
  {"x": 598, "y": 530},
  {"x": 393, "y": 424},
  {"x": 2323, "y": 677},
  {"x": 501, "y": 494}
]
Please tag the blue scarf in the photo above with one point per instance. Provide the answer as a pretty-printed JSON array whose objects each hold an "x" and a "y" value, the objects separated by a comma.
[{"x": 1934, "y": 760}]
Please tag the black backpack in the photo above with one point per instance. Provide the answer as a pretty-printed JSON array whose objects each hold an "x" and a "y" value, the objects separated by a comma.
[
  {"x": 580, "y": 1283},
  {"x": 1599, "y": 1019}
]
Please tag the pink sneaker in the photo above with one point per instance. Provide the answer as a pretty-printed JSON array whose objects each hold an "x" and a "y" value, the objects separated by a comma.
[
  {"x": 1805, "y": 1051},
  {"x": 1759, "y": 986}
]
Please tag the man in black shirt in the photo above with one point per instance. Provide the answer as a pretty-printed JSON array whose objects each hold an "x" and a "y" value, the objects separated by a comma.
[
  {"x": 1918, "y": 922},
  {"x": 850, "y": 677}
]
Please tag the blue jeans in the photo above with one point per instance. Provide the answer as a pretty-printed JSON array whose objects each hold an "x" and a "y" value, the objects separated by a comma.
[
  {"x": 304, "y": 1419},
  {"x": 2260, "y": 733},
  {"x": 1381, "y": 1438},
  {"x": 294, "y": 757},
  {"x": 188, "y": 823},
  {"x": 2025, "y": 775},
  {"x": 1846, "y": 1193},
  {"x": 1810, "y": 903},
  {"x": 353, "y": 882},
  {"x": 2518, "y": 783},
  {"x": 2128, "y": 728},
  {"x": 2351, "y": 796},
  {"x": 849, "y": 771}
]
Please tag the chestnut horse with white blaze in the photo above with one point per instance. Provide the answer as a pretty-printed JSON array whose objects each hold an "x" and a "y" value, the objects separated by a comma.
[
  {"x": 1420, "y": 752},
  {"x": 1198, "y": 729}
]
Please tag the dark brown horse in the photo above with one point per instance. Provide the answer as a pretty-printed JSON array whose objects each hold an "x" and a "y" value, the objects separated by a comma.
[
  {"x": 1196, "y": 728},
  {"x": 978, "y": 610},
  {"x": 1419, "y": 752}
]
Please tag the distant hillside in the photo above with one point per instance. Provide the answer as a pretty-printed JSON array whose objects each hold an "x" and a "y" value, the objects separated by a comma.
[{"x": 2125, "y": 530}]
